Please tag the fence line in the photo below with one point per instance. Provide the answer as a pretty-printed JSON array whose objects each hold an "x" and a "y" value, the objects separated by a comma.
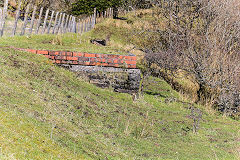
[{"x": 46, "y": 21}]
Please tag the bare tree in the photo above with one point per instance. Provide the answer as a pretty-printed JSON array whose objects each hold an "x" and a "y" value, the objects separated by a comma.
[{"x": 201, "y": 39}]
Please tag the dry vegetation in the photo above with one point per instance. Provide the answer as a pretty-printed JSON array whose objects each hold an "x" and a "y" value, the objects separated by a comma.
[
  {"x": 197, "y": 39},
  {"x": 60, "y": 5}
]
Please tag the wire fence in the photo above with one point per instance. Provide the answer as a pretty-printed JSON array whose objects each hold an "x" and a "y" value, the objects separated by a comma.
[{"x": 45, "y": 21}]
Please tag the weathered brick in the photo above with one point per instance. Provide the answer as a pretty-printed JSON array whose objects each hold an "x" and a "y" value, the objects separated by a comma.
[
  {"x": 120, "y": 61},
  {"x": 62, "y": 53},
  {"x": 109, "y": 60},
  {"x": 98, "y": 55},
  {"x": 83, "y": 59},
  {"x": 104, "y": 64},
  {"x": 115, "y": 61},
  {"x": 78, "y": 54},
  {"x": 58, "y": 61},
  {"x": 132, "y": 66},
  {"x": 92, "y": 63},
  {"x": 87, "y": 63},
  {"x": 104, "y": 56},
  {"x": 111, "y": 64},
  {"x": 98, "y": 59},
  {"x": 121, "y": 57},
  {"x": 52, "y": 57},
  {"x": 66, "y": 62},
  {"x": 61, "y": 57},
  {"x": 74, "y": 62},
  {"x": 42, "y": 52},
  {"x": 31, "y": 50},
  {"x": 92, "y": 60},
  {"x": 98, "y": 64},
  {"x": 103, "y": 60},
  {"x": 69, "y": 54},
  {"x": 130, "y": 62},
  {"x": 80, "y": 62},
  {"x": 53, "y": 53},
  {"x": 112, "y": 56},
  {"x": 89, "y": 55},
  {"x": 47, "y": 56},
  {"x": 72, "y": 58},
  {"x": 134, "y": 58},
  {"x": 130, "y": 58}
]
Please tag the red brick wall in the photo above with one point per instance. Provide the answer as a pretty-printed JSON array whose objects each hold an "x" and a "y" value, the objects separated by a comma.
[{"x": 87, "y": 59}]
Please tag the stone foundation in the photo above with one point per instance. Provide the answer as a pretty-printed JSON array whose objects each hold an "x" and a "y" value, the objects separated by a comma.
[
  {"x": 104, "y": 70},
  {"x": 121, "y": 80}
]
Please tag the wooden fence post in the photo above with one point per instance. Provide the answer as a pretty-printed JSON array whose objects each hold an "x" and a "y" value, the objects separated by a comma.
[
  {"x": 16, "y": 18},
  {"x": 89, "y": 23},
  {"x": 70, "y": 23},
  {"x": 74, "y": 25},
  {"x": 110, "y": 15},
  {"x": 59, "y": 23},
  {"x": 66, "y": 24},
  {"x": 45, "y": 21},
  {"x": 25, "y": 20},
  {"x": 88, "y": 19},
  {"x": 32, "y": 19},
  {"x": 99, "y": 17},
  {"x": 85, "y": 24},
  {"x": 50, "y": 23},
  {"x": 95, "y": 17},
  {"x": 97, "y": 14},
  {"x": 4, "y": 15},
  {"x": 39, "y": 20},
  {"x": 77, "y": 25},
  {"x": 1, "y": 19},
  {"x": 82, "y": 25},
  {"x": 55, "y": 23},
  {"x": 62, "y": 23},
  {"x": 71, "y": 26}
]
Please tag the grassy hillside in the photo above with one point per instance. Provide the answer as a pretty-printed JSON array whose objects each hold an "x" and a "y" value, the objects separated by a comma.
[
  {"x": 67, "y": 42},
  {"x": 47, "y": 112}
]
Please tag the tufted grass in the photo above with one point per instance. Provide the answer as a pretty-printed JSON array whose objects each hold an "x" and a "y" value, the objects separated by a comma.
[
  {"x": 47, "y": 112},
  {"x": 119, "y": 33},
  {"x": 74, "y": 42},
  {"x": 66, "y": 42}
]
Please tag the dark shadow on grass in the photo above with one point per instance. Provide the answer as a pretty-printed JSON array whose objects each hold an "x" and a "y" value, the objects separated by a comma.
[
  {"x": 154, "y": 94},
  {"x": 121, "y": 18}
]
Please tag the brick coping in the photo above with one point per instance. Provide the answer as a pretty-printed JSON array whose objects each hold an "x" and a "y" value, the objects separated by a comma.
[{"x": 86, "y": 59}]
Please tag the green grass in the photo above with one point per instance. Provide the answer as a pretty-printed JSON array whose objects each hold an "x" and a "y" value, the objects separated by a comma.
[
  {"x": 47, "y": 112},
  {"x": 116, "y": 31},
  {"x": 66, "y": 42},
  {"x": 73, "y": 42}
]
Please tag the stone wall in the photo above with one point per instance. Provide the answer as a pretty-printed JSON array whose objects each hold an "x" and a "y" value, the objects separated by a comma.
[
  {"x": 104, "y": 70},
  {"x": 87, "y": 59},
  {"x": 121, "y": 80}
]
